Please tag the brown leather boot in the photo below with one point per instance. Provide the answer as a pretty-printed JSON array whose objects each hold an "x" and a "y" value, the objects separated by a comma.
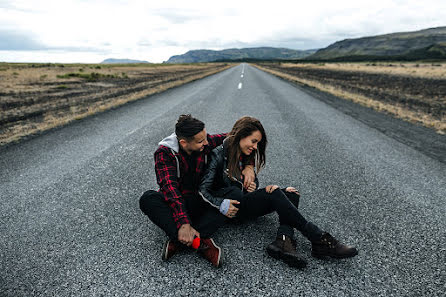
[
  {"x": 328, "y": 246},
  {"x": 284, "y": 248}
]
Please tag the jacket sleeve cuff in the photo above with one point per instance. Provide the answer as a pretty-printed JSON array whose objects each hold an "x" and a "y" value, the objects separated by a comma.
[
  {"x": 181, "y": 221},
  {"x": 224, "y": 206}
]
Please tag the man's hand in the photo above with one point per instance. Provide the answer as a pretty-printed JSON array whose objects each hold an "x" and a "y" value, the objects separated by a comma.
[
  {"x": 252, "y": 187},
  {"x": 232, "y": 211},
  {"x": 186, "y": 234},
  {"x": 248, "y": 176},
  {"x": 271, "y": 188}
]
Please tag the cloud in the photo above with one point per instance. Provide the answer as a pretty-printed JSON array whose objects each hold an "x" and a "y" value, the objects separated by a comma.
[
  {"x": 156, "y": 30},
  {"x": 179, "y": 16},
  {"x": 14, "y": 6},
  {"x": 18, "y": 41},
  {"x": 145, "y": 43}
]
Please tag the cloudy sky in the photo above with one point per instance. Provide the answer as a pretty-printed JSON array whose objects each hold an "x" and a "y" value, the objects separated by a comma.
[{"x": 90, "y": 31}]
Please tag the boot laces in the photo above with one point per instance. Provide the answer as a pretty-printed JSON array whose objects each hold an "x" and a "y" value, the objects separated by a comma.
[
  {"x": 289, "y": 242},
  {"x": 329, "y": 240}
]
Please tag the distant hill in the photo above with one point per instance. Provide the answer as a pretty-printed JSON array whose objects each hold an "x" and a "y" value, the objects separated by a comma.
[
  {"x": 122, "y": 61},
  {"x": 435, "y": 51},
  {"x": 196, "y": 56},
  {"x": 422, "y": 44}
]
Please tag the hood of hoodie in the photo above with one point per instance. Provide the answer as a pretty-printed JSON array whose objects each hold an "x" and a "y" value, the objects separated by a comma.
[{"x": 171, "y": 142}]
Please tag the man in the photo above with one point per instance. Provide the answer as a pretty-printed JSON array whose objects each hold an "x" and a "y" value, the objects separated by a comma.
[{"x": 177, "y": 208}]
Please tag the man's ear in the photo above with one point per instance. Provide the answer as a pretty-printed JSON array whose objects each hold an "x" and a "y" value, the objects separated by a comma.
[{"x": 182, "y": 142}]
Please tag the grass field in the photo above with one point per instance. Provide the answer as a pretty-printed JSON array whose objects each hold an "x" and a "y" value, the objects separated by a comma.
[
  {"x": 415, "y": 92},
  {"x": 38, "y": 97}
]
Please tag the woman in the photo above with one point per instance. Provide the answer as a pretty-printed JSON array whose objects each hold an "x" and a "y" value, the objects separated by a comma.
[{"x": 222, "y": 187}]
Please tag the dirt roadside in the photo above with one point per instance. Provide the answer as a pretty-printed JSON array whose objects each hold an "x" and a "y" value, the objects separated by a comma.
[
  {"x": 421, "y": 138},
  {"x": 38, "y": 97}
]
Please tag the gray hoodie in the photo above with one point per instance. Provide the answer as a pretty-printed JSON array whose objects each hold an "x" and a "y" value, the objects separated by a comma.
[{"x": 171, "y": 142}]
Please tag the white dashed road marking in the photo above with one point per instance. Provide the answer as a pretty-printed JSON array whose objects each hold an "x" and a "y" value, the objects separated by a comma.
[
  {"x": 131, "y": 132},
  {"x": 240, "y": 85}
]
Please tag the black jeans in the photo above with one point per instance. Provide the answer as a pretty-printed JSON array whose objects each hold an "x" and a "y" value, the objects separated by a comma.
[
  {"x": 204, "y": 218},
  {"x": 259, "y": 203}
]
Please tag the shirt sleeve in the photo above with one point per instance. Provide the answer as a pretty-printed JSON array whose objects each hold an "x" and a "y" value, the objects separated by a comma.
[
  {"x": 248, "y": 160},
  {"x": 216, "y": 140},
  {"x": 166, "y": 177}
]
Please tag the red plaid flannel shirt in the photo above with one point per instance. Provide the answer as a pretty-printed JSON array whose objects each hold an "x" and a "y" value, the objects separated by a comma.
[{"x": 167, "y": 178}]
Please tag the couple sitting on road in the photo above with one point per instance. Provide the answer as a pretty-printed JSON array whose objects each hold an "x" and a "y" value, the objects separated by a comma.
[{"x": 207, "y": 180}]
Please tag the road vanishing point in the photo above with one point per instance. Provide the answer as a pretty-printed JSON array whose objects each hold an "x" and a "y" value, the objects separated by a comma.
[{"x": 70, "y": 223}]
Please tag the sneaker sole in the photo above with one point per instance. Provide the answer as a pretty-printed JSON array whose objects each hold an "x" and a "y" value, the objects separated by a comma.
[
  {"x": 290, "y": 260},
  {"x": 323, "y": 256},
  {"x": 219, "y": 261},
  {"x": 164, "y": 251}
]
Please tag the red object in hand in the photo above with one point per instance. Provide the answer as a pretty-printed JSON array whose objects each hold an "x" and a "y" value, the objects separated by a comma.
[{"x": 196, "y": 242}]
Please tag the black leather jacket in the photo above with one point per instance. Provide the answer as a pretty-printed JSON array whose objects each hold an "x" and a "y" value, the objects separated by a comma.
[{"x": 216, "y": 179}]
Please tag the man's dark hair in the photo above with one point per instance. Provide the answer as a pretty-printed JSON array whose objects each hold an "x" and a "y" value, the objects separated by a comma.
[{"x": 187, "y": 127}]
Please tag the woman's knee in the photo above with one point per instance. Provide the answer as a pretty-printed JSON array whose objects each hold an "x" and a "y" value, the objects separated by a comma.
[
  {"x": 293, "y": 197},
  {"x": 281, "y": 195},
  {"x": 277, "y": 194}
]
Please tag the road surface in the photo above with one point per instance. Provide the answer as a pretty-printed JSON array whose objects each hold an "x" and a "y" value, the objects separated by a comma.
[{"x": 70, "y": 223}]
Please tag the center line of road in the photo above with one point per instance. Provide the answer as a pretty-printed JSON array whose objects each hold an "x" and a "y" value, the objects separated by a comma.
[
  {"x": 131, "y": 132},
  {"x": 241, "y": 75},
  {"x": 240, "y": 85}
]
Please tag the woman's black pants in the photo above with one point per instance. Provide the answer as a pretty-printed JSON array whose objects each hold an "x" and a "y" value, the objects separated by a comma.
[{"x": 259, "y": 203}]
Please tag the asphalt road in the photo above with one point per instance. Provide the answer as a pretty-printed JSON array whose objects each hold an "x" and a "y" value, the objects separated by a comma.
[{"x": 70, "y": 223}]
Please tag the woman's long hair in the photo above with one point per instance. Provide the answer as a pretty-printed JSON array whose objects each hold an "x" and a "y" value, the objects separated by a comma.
[{"x": 242, "y": 128}]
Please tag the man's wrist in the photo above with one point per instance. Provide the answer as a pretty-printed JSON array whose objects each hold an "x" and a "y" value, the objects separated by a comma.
[
  {"x": 248, "y": 169},
  {"x": 182, "y": 221}
]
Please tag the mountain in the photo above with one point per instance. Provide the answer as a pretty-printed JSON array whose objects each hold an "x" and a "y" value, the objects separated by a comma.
[
  {"x": 267, "y": 53},
  {"x": 435, "y": 51},
  {"x": 407, "y": 44},
  {"x": 122, "y": 61}
]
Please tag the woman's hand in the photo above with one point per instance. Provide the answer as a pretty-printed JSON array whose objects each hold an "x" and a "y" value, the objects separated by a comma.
[
  {"x": 232, "y": 211},
  {"x": 248, "y": 176},
  {"x": 271, "y": 188},
  {"x": 252, "y": 187},
  {"x": 292, "y": 190}
]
